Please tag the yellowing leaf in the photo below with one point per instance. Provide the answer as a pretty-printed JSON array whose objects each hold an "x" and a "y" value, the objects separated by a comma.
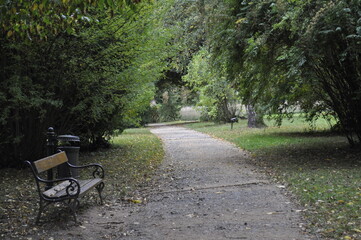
[
  {"x": 241, "y": 20},
  {"x": 136, "y": 201},
  {"x": 9, "y": 34},
  {"x": 35, "y": 7}
]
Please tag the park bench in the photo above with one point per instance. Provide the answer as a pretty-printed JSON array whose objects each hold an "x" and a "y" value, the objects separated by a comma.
[{"x": 64, "y": 189}]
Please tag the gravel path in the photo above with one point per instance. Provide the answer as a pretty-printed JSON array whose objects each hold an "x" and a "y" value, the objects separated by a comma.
[{"x": 204, "y": 190}]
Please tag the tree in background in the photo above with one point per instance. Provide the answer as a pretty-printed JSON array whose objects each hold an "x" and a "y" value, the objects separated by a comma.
[
  {"x": 185, "y": 20},
  {"x": 217, "y": 99},
  {"x": 286, "y": 55}
]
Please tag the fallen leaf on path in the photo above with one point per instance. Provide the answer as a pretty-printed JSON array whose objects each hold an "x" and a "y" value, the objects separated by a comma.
[
  {"x": 136, "y": 201},
  {"x": 270, "y": 213}
]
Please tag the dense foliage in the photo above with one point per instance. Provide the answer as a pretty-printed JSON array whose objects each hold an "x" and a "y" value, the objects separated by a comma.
[
  {"x": 289, "y": 55},
  {"x": 186, "y": 19},
  {"x": 91, "y": 67},
  {"x": 41, "y": 19},
  {"x": 88, "y": 82}
]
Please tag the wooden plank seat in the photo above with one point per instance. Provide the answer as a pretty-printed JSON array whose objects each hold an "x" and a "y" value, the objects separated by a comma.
[{"x": 66, "y": 189}]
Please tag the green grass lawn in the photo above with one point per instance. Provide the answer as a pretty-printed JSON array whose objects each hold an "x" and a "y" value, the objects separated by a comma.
[
  {"x": 128, "y": 164},
  {"x": 131, "y": 161},
  {"x": 318, "y": 167}
]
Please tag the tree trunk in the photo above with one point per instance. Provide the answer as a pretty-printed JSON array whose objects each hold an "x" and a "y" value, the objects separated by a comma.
[{"x": 255, "y": 120}]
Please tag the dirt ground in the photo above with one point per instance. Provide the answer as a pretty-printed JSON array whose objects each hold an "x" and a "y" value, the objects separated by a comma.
[{"x": 205, "y": 189}]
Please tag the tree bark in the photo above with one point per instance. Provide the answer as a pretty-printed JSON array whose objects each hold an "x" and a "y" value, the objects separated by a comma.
[{"x": 255, "y": 120}]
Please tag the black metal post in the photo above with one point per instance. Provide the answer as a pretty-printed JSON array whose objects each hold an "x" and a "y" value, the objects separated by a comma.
[
  {"x": 51, "y": 144},
  {"x": 233, "y": 120}
]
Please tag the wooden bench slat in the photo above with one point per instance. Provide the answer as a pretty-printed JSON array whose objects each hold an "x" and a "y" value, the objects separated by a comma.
[
  {"x": 47, "y": 163},
  {"x": 87, "y": 185},
  {"x": 60, "y": 189}
]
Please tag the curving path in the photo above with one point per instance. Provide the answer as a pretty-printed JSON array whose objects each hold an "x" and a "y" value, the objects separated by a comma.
[{"x": 206, "y": 190}]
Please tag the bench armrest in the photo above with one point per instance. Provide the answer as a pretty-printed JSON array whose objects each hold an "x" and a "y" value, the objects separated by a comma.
[{"x": 98, "y": 169}]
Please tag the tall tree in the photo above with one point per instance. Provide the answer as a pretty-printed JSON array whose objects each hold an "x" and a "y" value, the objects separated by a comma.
[
  {"x": 88, "y": 82},
  {"x": 288, "y": 54}
]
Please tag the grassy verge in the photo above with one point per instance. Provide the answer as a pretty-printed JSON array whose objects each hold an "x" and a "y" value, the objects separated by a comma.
[
  {"x": 318, "y": 167},
  {"x": 129, "y": 163},
  {"x": 135, "y": 155}
]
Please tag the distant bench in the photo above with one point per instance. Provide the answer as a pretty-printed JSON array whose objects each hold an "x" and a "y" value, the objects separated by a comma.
[{"x": 68, "y": 189}]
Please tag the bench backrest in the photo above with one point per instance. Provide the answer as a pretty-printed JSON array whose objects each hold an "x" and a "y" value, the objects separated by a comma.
[{"x": 50, "y": 162}]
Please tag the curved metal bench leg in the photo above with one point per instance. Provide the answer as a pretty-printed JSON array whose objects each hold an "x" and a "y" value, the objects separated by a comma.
[
  {"x": 100, "y": 188},
  {"x": 42, "y": 205},
  {"x": 73, "y": 205}
]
